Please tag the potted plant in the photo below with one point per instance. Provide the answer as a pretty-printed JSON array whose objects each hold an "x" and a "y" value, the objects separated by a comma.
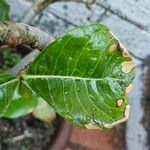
[{"x": 84, "y": 76}]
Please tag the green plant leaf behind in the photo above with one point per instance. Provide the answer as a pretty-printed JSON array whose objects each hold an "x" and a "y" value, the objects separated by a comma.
[
  {"x": 85, "y": 76},
  {"x": 22, "y": 103},
  {"x": 4, "y": 10},
  {"x": 8, "y": 84},
  {"x": 16, "y": 98}
]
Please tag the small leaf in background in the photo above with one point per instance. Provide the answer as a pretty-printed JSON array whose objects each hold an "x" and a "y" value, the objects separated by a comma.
[
  {"x": 85, "y": 76},
  {"x": 20, "y": 107},
  {"x": 8, "y": 84},
  {"x": 22, "y": 103},
  {"x": 43, "y": 111},
  {"x": 4, "y": 10}
]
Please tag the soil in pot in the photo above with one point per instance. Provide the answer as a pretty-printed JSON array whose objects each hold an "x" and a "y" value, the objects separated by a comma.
[{"x": 26, "y": 133}]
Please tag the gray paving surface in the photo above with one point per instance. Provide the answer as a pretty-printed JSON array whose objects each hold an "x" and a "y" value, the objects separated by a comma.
[{"x": 129, "y": 20}]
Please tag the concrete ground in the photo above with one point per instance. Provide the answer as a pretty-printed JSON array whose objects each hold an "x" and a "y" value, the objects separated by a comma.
[{"x": 129, "y": 20}]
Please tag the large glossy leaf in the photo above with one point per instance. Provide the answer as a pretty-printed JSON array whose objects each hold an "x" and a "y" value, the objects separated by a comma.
[
  {"x": 4, "y": 10},
  {"x": 85, "y": 76}
]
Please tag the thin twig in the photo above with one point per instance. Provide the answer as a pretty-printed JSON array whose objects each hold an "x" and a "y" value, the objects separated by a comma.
[
  {"x": 40, "y": 5},
  {"x": 24, "y": 62},
  {"x": 20, "y": 137}
]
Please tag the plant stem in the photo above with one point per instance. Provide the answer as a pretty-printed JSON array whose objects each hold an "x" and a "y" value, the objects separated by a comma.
[
  {"x": 39, "y": 6},
  {"x": 21, "y": 65},
  {"x": 15, "y": 34}
]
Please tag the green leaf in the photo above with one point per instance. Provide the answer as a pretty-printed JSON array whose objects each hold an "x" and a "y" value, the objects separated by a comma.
[
  {"x": 23, "y": 102},
  {"x": 85, "y": 76},
  {"x": 16, "y": 98},
  {"x": 8, "y": 84},
  {"x": 20, "y": 107},
  {"x": 4, "y": 10}
]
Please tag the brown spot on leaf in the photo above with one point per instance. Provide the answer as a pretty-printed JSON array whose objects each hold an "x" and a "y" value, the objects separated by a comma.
[
  {"x": 125, "y": 53},
  {"x": 129, "y": 88},
  {"x": 127, "y": 66},
  {"x": 126, "y": 116},
  {"x": 122, "y": 48},
  {"x": 113, "y": 47},
  {"x": 91, "y": 126},
  {"x": 119, "y": 102},
  {"x": 127, "y": 110}
]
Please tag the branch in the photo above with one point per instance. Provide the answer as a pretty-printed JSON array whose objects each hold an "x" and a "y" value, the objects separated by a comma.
[
  {"x": 19, "y": 34},
  {"x": 87, "y": 2},
  {"x": 40, "y": 5},
  {"x": 15, "y": 34},
  {"x": 24, "y": 62}
]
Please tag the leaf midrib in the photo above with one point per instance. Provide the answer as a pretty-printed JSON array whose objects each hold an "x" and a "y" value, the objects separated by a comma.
[{"x": 65, "y": 77}]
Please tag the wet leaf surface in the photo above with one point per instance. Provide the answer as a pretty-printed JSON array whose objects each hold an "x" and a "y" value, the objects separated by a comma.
[{"x": 84, "y": 76}]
